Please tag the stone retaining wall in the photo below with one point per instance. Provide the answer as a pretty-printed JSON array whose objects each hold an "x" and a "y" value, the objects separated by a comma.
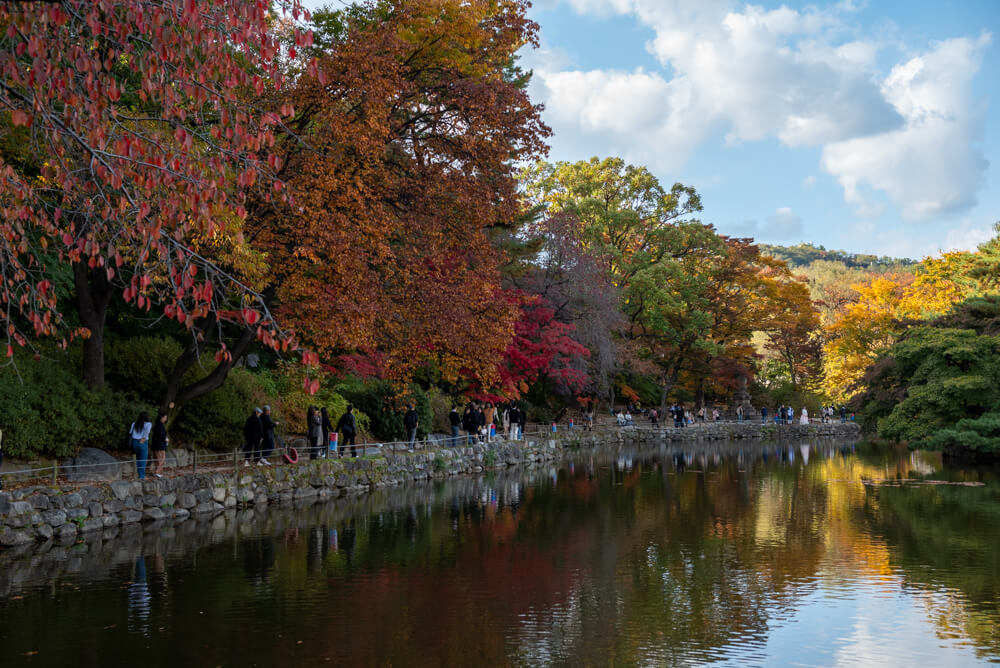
[{"x": 42, "y": 513}]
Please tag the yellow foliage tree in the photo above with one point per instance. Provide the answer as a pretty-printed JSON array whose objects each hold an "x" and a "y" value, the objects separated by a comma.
[{"x": 875, "y": 319}]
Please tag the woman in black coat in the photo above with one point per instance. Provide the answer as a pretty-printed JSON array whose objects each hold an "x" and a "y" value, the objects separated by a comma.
[
  {"x": 158, "y": 441},
  {"x": 327, "y": 428}
]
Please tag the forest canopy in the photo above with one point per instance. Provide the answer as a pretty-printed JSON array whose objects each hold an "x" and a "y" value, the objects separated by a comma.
[{"x": 206, "y": 208}]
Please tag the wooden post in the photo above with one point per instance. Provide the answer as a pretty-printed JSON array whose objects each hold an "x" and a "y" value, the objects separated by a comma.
[
  {"x": 194, "y": 461},
  {"x": 55, "y": 470}
]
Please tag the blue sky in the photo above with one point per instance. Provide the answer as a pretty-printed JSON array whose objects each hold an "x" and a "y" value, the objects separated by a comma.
[{"x": 863, "y": 126}]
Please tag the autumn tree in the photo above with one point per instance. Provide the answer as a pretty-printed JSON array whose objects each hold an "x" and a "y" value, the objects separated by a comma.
[
  {"x": 549, "y": 260},
  {"x": 543, "y": 348},
  {"x": 655, "y": 254},
  {"x": 400, "y": 157},
  {"x": 792, "y": 327},
  {"x": 137, "y": 111}
]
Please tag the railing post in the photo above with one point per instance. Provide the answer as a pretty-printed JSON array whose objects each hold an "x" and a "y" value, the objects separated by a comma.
[
  {"x": 55, "y": 471},
  {"x": 194, "y": 462}
]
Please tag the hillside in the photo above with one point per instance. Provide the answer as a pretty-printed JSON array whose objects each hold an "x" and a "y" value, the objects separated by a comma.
[{"x": 802, "y": 255}]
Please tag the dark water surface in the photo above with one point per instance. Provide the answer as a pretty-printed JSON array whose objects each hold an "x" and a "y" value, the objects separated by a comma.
[{"x": 673, "y": 556}]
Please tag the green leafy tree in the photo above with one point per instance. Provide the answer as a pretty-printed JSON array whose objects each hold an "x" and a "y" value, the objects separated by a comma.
[
  {"x": 653, "y": 250},
  {"x": 934, "y": 379}
]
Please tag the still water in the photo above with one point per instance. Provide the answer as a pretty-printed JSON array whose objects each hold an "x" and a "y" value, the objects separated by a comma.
[{"x": 726, "y": 554}]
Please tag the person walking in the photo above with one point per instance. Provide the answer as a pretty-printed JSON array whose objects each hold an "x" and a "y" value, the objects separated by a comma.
[
  {"x": 739, "y": 414},
  {"x": 159, "y": 443},
  {"x": 348, "y": 426},
  {"x": 253, "y": 437},
  {"x": 314, "y": 431},
  {"x": 514, "y": 415},
  {"x": 139, "y": 433},
  {"x": 522, "y": 420},
  {"x": 468, "y": 423},
  {"x": 804, "y": 417},
  {"x": 327, "y": 428},
  {"x": 455, "y": 420},
  {"x": 268, "y": 424},
  {"x": 763, "y": 414},
  {"x": 481, "y": 423},
  {"x": 410, "y": 421},
  {"x": 490, "y": 414}
]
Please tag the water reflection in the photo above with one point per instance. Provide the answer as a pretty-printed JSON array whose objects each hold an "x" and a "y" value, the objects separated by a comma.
[{"x": 677, "y": 554}]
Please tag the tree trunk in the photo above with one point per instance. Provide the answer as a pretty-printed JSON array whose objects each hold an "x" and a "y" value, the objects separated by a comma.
[
  {"x": 669, "y": 380},
  {"x": 176, "y": 395},
  {"x": 93, "y": 294}
]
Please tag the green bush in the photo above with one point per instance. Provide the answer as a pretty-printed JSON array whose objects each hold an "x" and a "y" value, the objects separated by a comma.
[
  {"x": 440, "y": 406},
  {"x": 385, "y": 406},
  {"x": 47, "y": 411},
  {"x": 141, "y": 365},
  {"x": 293, "y": 401},
  {"x": 980, "y": 435},
  {"x": 215, "y": 421},
  {"x": 935, "y": 379}
]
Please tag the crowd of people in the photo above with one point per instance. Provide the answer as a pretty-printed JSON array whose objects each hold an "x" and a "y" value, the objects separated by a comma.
[{"x": 480, "y": 422}]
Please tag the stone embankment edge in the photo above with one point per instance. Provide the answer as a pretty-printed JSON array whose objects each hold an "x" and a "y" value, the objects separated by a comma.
[{"x": 35, "y": 514}]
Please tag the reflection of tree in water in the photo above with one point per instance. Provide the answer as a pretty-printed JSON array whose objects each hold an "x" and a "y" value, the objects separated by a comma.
[
  {"x": 258, "y": 559},
  {"x": 684, "y": 574},
  {"x": 648, "y": 559},
  {"x": 947, "y": 540}
]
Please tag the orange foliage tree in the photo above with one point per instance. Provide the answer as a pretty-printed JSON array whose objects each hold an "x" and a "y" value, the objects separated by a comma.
[{"x": 400, "y": 158}]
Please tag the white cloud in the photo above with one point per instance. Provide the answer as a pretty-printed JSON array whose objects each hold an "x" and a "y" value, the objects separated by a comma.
[
  {"x": 931, "y": 166},
  {"x": 805, "y": 77},
  {"x": 967, "y": 237}
]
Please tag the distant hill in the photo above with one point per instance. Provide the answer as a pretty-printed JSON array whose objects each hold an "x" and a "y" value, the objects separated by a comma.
[{"x": 802, "y": 255}]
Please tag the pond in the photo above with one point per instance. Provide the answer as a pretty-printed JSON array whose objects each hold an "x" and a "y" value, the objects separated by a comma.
[{"x": 812, "y": 554}]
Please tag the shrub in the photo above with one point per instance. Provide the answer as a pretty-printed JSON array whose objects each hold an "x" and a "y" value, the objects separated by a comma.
[
  {"x": 49, "y": 412},
  {"x": 385, "y": 405},
  {"x": 293, "y": 401},
  {"x": 216, "y": 420},
  {"x": 140, "y": 365},
  {"x": 440, "y": 405}
]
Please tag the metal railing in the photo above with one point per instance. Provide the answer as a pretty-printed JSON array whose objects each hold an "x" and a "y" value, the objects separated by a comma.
[{"x": 215, "y": 461}]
